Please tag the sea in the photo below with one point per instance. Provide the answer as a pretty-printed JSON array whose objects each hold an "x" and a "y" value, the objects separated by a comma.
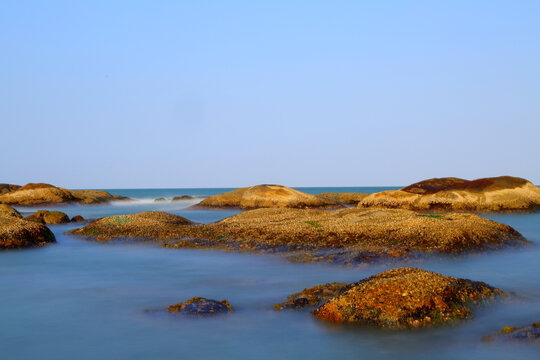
[{"x": 80, "y": 299}]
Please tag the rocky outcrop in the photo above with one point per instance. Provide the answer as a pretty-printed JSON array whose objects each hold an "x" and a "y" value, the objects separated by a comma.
[
  {"x": 405, "y": 298},
  {"x": 19, "y": 233},
  {"x": 266, "y": 196},
  {"x": 145, "y": 225},
  {"x": 503, "y": 193},
  {"x": 312, "y": 297},
  {"x": 351, "y": 235},
  {"x": 48, "y": 217},
  {"x": 344, "y": 198},
  {"x": 200, "y": 306},
  {"x": 46, "y": 194},
  {"x": 525, "y": 334},
  {"x": 5, "y": 188}
]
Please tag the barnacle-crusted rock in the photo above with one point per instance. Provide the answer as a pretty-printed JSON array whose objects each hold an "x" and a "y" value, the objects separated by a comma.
[
  {"x": 48, "y": 217},
  {"x": 19, "y": 233},
  {"x": 504, "y": 193},
  {"x": 377, "y": 230},
  {"x": 524, "y": 334},
  {"x": 266, "y": 196},
  {"x": 345, "y": 198},
  {"x": 46, "y": 194},
  {"x": 200, "y": 306},
  {"x": 144, "y": 225},
  {"x": 406, "y": 297}
]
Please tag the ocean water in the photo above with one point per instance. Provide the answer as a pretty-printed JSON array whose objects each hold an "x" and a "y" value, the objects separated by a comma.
[{"x": 79, "y": 299}]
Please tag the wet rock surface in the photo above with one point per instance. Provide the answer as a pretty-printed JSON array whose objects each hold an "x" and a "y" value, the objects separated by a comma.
[
  {"x": 200, "y": 306},
  {"x": 406, "y": 298}
]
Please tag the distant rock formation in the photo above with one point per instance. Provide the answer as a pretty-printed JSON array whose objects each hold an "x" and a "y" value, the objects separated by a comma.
[
  {"x": 503, "y": 193},
  {"x": 46, "y": 194},
  {"x": 345, "y": 198},
  {"x": 266, "y": 196}
]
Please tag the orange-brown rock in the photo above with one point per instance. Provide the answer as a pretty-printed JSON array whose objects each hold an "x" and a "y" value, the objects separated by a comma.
[
  {"x": 5, "y": 188},
  {"x": 503, "y": 193},
  {"x": 46, "y": 194},
  {"x": 8, "y": 211},
  {"x": 20, "y": 233},
  {"x": 48, "y": 217},
  {"x": 406, "y": 297},
  {"x": 266, "y": 196}
]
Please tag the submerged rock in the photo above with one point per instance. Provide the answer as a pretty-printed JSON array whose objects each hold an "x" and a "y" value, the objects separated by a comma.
[
  {"x": 46, "y": 194},
  {"x": 48, "y": 217},
  {"x": 77, "y": 218},
  {"x": 144, "y": 225},
  {"x": 345, "y": 198},
  {"x": 266, "y": 196},
  {"x": 525, "y": 334},
  {"x": 19, "y": 233},
  {"x": 405, "y": 298},
  {"x": 200, "y": 306},
  {"x": 161, "y": 199},
  {"x": 502, "y": 193},
  {"x": 182, "y": 197}
]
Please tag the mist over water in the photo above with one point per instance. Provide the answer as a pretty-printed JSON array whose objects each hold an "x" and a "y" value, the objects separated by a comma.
[{"x": 80, "y": 299}]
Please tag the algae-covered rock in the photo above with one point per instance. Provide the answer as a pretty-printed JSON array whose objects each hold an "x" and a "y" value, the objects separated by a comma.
[
  {"x": 266, "y": 196},
  {"x": 144, "y": 225},
  {"x": 200, "y": 306},
  {"x": 48, "y": 217},
  {"x": 312, "y": 297},
  {"x": 524, "y": 334},
  {"x": 8, "y": 211},
  {"x": 345, "y": 198},
  {"x": 503, "y": 193},
  {"x": 406, "y": 297},
  {"x": 19, "y": 233}
]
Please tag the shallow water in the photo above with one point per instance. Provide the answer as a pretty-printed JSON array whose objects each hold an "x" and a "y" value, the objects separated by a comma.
[{"x": 79, "y": 299}]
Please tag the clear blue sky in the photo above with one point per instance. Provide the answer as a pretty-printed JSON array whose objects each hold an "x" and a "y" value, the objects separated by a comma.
[{"x": 303, "y": 93}]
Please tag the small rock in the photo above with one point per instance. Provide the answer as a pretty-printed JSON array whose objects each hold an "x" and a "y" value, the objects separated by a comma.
[{"x": 200, "y": 306}]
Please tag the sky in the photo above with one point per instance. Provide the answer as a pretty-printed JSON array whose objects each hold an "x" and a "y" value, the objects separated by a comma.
[{"x": 128, "y": 94}]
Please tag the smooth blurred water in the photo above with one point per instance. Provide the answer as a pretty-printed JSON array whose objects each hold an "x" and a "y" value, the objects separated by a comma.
[{"x": 79, "y": 299}]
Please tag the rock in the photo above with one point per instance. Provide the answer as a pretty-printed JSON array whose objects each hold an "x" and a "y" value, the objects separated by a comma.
[
  {"x": 266, "y": 196},
  {"x": 351, "y": 235},
  {"x": 525, "y": 334},
  {"x": 503, "y": 193},
  {"x": 405, "y": 298},
  {"x": 8, "y": 211},
  {"x": 182, "y": 197},
  {"x": 344, "y": 198},
  {"x": 19, "y": 233},
  {"x": 77, "y": 218},
  {"x": 5, "y": 188},
  {"x": 144, "y": 225},
  {"x": 160, "y": 199},
  {"x": 312, "y": 297},
  {"x": 48, "y": 217},
  {"x": 46, "y": 194},
  {"x": 199, "y": 306}
]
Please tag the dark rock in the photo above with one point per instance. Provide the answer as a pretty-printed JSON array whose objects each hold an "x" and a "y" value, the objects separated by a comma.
[
  {"x": 526, "y": 334},
  {"x": 182, "y": 197},
  {"x": 199, "y": 306},
  {"x": 77, "y": 218}
]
